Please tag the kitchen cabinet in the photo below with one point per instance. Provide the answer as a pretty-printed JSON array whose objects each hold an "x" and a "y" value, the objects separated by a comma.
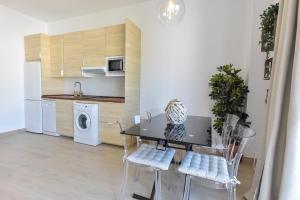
[
  {"x": 64, "y": 118},
  {"x": 94, "y": 48},
  {"x": 109, "y": 131},
  {"x": 90, "y": 48},
  {"x": 72, "y": 54},
  {"x": 34, "y": 45},
  {"x": 111, "y": 112},
  {"x": 56, "y": 56},
  {"x": 115, "y": 40}
]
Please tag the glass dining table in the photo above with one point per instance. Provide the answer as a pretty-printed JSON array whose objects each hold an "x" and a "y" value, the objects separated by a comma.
[{"x": 196, "y": 130}]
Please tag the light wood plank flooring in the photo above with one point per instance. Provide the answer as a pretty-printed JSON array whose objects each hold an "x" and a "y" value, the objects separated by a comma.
[{"x": 40, "y": 167}]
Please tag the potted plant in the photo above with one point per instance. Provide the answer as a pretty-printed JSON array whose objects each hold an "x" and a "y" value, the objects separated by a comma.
[{"x": 228, "y": 92}]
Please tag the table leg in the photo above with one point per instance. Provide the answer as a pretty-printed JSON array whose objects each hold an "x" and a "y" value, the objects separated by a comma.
[
  {"x": 187, "y": 188},
  {"x": 152, "y": 192}
]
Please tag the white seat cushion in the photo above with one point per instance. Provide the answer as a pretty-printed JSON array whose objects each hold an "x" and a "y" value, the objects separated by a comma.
[
  {"x": 150, "y": 156},
  {"x": 219, "y": 146},
  {"x": 205, "y": 166}
]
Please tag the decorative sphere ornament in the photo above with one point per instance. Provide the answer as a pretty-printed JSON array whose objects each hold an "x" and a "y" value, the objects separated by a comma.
[
  {"x": 176, "y": 112},
  {"x": 170, "y": 11},
  {"x": 175, "y": 132}
]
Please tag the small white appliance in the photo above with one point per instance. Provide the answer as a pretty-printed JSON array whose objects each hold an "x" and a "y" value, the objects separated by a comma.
[
  {"x": 86, "y": 123},
  {"x": 49, "y": 117},
  {"x": 32, "y": 94}
]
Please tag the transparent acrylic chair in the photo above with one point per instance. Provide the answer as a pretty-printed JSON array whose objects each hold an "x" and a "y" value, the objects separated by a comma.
[
  {"x": 218, "y": 172},
  {"x": 229, "y": 126},
  {"x": 146, "y": 156}
]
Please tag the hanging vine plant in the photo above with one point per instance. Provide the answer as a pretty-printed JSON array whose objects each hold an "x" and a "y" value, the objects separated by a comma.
[{"x": 268, "y": 28}]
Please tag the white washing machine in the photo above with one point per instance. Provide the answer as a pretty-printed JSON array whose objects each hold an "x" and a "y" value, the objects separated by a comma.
[{"x": 86, "y": 124}]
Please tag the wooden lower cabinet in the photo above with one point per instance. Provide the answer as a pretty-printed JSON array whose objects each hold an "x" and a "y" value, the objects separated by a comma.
[
  {"x": 110, "y": 133},
  {"x": 109, "y": 130},
  {"x": 109, "y": 114},
  {"x": 64, "y": 118}
]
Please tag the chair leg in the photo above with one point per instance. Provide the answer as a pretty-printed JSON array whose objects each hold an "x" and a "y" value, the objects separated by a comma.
[
  {"x": 168, "y": 180},
  {"x": 121, "y": 195},
  {"x": 157, "y": 185},
  {"x": 137, "y": 174},
  {"x": 232, "y": 192},
  {"x": 187, "y": 188}
]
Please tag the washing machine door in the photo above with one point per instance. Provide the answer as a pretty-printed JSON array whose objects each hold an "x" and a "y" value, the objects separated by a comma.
[{"x": 83, "y": 121}]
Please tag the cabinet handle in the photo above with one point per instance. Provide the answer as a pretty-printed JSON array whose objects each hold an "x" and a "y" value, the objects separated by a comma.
[
  {"x": 115, "y": 123},
  {"x": 110, "y": 123}
]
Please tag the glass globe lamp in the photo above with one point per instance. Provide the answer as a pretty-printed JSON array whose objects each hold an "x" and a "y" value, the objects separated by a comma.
[{"x": 170, "y": 11}]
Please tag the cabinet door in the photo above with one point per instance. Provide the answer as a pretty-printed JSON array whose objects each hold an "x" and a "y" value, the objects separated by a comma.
[
  {"x": 32, "y": 47},
  {"x": 115, "y": 40},
  {"x": 109, "y": 131},
  {"x": 73, "y": 54},
  {"x": 94, "y": 47},
  {"x": 56, "y": 56},
  {"x": 111, "y": 112},
  {"x": 64, "y": 118}
]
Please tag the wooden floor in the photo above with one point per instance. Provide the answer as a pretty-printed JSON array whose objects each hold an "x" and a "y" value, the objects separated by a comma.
[{"x": 40, "y": 167}]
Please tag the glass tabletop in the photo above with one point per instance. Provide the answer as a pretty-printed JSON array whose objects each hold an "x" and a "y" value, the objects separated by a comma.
[{"x": 195, "y": 131}]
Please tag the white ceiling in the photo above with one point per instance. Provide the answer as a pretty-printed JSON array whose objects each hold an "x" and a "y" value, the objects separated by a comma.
[{"x": 53, "y": 10}]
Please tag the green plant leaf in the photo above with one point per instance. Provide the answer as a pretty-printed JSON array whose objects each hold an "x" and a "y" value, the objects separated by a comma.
[{"x": 229, "y": 91}]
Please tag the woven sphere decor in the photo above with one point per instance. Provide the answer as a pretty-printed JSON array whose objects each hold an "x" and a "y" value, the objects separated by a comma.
[
  {"x": 175, "y": 132},
  {"x": 176, "y": 112}
]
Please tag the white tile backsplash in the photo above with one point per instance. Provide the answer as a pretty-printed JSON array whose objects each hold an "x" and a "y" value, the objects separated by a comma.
[{"x": 100, "y": 86}]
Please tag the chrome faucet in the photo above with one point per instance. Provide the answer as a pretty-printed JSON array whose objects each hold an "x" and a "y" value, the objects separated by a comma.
[{"x": 76, "y": 92}]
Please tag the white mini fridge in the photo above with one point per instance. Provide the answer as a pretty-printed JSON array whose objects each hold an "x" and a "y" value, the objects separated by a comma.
[{"x": 33, "y": 97}]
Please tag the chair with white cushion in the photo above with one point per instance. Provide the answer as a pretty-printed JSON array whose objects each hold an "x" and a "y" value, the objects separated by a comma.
[
  {"x": 229, "y": 126},
  {"x": 214, "y": 171},
  {"x": 154, "y": 159}
]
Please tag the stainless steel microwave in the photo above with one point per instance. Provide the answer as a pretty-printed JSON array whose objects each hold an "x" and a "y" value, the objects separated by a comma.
[{"x": 115, "y": 64}]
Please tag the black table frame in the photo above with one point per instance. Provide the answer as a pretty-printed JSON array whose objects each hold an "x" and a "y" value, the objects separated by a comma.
[{"x": 164, "y": 143}]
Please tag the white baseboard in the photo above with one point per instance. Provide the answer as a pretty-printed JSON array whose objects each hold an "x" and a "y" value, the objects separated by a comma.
[{"x": 13, "y": 131}]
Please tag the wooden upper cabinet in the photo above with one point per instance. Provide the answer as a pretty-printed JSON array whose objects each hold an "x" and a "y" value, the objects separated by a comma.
[
  {"x": 72, "y": 54},
  {"x": 69, "y": 52},
  {"x": 94, "y": 47},
  {"x": 56, "y": 56},
  {"x": 115, "y": 40},
  {"x": 33, "y": 47}
]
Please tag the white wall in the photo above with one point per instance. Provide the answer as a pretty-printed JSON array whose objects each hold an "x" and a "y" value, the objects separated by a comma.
[
  {"x": 178, "y": 61},
  {"x": 257, "y": 108},
  {"x": 13, "y": 28},
  {"x": 100, "y": 86}
]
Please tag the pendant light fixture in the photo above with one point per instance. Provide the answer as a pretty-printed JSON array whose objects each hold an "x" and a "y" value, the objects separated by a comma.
[{"x": 170, "y": 11}]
